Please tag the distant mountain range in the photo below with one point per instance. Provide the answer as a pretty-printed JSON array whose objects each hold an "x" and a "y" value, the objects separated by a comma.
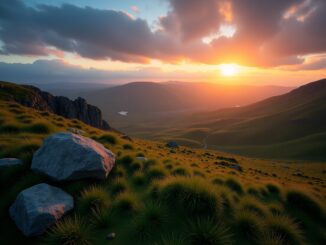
[
  {"x": 290, "y": 125},
  {"x": 146, "y": 101}
]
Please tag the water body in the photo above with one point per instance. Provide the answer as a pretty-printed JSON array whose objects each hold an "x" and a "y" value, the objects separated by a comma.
[{"x": 123, "y": 113}]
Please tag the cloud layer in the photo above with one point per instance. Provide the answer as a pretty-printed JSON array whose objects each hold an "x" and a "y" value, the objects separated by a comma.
[{"x": 268, "y": 33}]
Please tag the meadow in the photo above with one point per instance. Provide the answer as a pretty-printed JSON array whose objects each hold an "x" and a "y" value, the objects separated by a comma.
[{"x": 161, "y": 195}]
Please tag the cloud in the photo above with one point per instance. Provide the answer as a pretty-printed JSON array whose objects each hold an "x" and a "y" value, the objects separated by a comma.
[
  {"x": 267, "y": 33},
  {"x": 58, "y": 71}
]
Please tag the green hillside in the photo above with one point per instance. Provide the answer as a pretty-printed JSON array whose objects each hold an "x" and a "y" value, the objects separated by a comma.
[
  {"x": 293, "y": 121},
  {"x": 176, "y": 196}
]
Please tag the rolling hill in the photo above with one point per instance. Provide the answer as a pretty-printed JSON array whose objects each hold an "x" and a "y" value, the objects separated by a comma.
[
  {"x": 158, "y": 195},
  {"x": 280, "y": 122},
  {"x": 147, "y": 101}
]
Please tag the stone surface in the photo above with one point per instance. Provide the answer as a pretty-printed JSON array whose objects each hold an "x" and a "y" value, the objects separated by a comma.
[
  {"x": 142, "y": 159},
  {"x": 38, "y": 207},
  {"x": 60, "y": 105},
  {"x": 9, "y": 162},
  {"x": 66, "y": 156},
  {"x": 172, "y": 144}
]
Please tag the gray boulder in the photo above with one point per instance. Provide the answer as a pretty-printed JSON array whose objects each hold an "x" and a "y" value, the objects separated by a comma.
[
  {"x": 8, "y": 162},
  {"x": 38, "y": 207},
  {"x": 66, "y": 156}
]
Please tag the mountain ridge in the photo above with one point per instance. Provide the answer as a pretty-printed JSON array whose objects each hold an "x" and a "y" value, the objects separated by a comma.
[{"x": 33, "y": 97}]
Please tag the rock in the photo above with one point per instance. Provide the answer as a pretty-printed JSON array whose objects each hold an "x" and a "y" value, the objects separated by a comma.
[
  {"x": 110, "y": 236},
  {"x": 236, "y": 167},
  {"x": 126, "y": 137},
  {"x": 142, "y": 159},
  {"x": 38, "y": 207},
  {"x": 66, "y": 156},
  {"x": 172, "y": 144},
  {"x": 76, "y": 131},
  {"x": 9, "y": 162},
  {"x": 60, "y": 105}
]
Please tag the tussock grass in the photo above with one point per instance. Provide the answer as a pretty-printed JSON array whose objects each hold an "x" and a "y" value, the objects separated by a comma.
[
  {"x": 39, "y": 128},
  {"x": 139, "y": 179},
  {"x": 305, "y": 203},
  {"x": 126, "y": 203},
  {"x": 156, "y": 172},
  {"x": 93, "y": 197},
  {"x": 180, "y": 171},
  {"x": 193, "y": 195},
  {"x": 234, "y": 185},
  {"x": 284, "y": 228},
  {"x": 70, "y": 231},
  {"x": 207, "y": 231},
  {"x": 108, "y": 138},
  {"x": 247, "y": 225},
  {"x": 118, "y": 186},
  {"x": 128, "y": 147},
  {"x": 253, "y": 205},
  {"x": 149, "y": 221},
  {"x": 100, "y": 217}
]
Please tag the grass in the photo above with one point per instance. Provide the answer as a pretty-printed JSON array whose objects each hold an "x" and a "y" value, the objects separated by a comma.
[
  {"x": 126, "y": 203},
  {"x": 93, "y": 197},
  {"x": 195, "y": 196},
  {"x": 70, "y": 231},
  {"x": 305, "y": 204},
  {"x": 247, "y": 225},
  {"x": 207, "y": 231},
  {"x": 285, "y": 229},
  {"x": 234, "y": 185},
  {"x": 150, "y": 220},
  {"x": 173, "y": 198}
]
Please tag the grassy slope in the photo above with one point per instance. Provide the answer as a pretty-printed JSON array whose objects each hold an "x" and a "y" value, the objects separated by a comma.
[
  {"x": 289, "y": 126},
  {"x": 128, "y": 198}
]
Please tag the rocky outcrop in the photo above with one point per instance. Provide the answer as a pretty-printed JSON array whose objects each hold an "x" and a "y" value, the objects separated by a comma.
[
  {"x": 38, "y": 207},
  {"x": 66, "y": 156},
  {"x": 72, "y": 109},
  {"x": 9, "y": 162}
]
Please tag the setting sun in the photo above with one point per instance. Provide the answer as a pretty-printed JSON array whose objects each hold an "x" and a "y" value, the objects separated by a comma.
[{"x": 229, "y": 69}]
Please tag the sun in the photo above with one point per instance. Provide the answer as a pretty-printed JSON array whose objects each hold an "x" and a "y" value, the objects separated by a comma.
[{"x": 228, "y": 69}]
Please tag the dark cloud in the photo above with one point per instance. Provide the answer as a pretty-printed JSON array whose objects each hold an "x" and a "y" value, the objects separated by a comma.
[{"x": 269, "y": 32}]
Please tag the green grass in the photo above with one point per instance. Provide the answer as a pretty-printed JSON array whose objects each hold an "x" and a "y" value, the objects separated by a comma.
[
  {"x": 72, "y": 231},
  {"x": 172, "y": 198}
]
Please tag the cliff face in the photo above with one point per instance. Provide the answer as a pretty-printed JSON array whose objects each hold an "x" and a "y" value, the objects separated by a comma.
[{"x": 72, "y": 109}]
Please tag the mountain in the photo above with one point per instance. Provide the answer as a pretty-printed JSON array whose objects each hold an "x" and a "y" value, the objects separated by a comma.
[
  {"x": 147, "y": 101},
  {"x": 284, "y": 122},
  {"x": 154, "y": 194},
  {"x": 31, "y": 96}
]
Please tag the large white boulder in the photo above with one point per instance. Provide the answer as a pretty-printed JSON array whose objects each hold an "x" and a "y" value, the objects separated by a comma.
[
  {"x": 9, "y": 162},
  {"x": 66, "y": 156},
  {"x": 38, "y": 207}
]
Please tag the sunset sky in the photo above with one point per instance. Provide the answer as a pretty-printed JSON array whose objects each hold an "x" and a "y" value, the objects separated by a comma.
[{"x": 279, "y": 42}]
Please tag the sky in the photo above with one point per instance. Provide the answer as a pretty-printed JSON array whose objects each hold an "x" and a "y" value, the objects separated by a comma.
[{"x": 116, "y": 41}]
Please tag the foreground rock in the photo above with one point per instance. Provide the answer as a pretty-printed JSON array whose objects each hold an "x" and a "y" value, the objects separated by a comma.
[
  {"x": 172, "y": 144},
  {"x": 38, "y": 207},
  {"x": 66, "y": 156},
  {"x": 9, "y": 162}
]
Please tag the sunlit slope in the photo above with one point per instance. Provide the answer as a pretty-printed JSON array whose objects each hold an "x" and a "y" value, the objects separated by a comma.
[
  {"x": 295, "y": 121},
  {"x": 176, "y": 196},
  {"x": 148, "y": 101}
]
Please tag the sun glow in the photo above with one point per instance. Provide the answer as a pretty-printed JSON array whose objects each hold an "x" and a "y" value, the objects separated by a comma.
[{"x": 229, "y": 69}]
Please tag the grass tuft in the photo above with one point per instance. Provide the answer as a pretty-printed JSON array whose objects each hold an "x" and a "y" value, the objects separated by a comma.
[
  {"x": 93, "y": 197},
  {"x": 208, "y": 232},
  {"x": 234, "y": 185},
  {"x": 150, "y": 220},
  {"x": 70, "y": 231},
  {"x": 286, "y": 229},
  {"x": 304, "y": 203},
  {"x": 193, "y": 195}
]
